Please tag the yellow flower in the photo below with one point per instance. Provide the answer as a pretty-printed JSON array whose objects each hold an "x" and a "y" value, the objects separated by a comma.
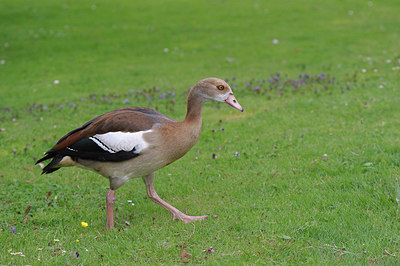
[
  {"x": 84, "y": 224},
  {"x": 78, "y": 239}
]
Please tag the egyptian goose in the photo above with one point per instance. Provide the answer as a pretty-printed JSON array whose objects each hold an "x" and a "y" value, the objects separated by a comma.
[{"x": 135, "y": 142}]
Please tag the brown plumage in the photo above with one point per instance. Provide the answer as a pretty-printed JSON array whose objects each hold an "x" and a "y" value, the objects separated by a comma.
[{"x": 135, "y": 142}]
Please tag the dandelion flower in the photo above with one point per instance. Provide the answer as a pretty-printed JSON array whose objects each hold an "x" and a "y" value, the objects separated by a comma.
[
  {"x": 77, "y": 240},
  {"x": 84, "y": 224}
]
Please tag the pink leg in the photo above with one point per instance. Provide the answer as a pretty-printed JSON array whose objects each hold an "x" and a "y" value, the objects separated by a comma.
[
  {"x": 110, "y": 199},
  {"x": 176, "y": 214}
]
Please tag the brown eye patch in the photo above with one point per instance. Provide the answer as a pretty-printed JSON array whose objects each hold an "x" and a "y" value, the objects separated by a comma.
[{"x": 220, "y": 87}]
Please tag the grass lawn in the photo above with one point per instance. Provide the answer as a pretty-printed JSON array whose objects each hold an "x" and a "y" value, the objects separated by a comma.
[{"x": 309, "y": 173}]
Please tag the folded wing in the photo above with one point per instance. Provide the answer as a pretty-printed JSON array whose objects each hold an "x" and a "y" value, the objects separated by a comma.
[{"x": 115, "y": 136}]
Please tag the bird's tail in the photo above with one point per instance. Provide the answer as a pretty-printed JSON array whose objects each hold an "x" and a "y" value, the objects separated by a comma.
[{"x": 49, "y": 168}]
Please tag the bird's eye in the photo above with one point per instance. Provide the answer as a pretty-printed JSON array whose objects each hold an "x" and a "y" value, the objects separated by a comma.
[{"x": 220, "y": 87}]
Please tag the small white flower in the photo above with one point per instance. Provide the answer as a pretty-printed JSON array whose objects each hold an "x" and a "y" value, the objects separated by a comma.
[
  {"x": 166, "y": 50},
  {"x": 351, "y": 12},
  {"x": 380, "y": 86},
  {"x": 325, "y": 155},
  {"x": 129, "y": 201},
  {"x": 363, "y": 70},
  {"x": 2, "y": 61},
  {"x": 375, "y": 70},
  {"x": 275, "y": 41},
  {"x": 56, "y": 82},
  {"x": 388, "y": 61}
]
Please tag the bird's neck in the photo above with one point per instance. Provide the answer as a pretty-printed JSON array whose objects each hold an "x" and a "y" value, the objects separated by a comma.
[
  {"x": 194, "y": 108},
  {"x": 187, "y": 132}
]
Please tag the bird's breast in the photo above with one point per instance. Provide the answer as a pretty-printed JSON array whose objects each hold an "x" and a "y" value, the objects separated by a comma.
[{"x": 175, "y": 141}]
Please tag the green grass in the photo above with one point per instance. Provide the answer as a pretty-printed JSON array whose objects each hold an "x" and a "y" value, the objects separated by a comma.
[{"x": 317, "y": 179}]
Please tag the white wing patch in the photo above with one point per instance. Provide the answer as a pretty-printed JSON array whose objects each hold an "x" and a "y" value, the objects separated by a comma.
[{"x": 121, "y": 141}]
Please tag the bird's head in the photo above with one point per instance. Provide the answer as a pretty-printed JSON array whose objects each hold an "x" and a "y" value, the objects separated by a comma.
[{"x": 216, "y": 90}]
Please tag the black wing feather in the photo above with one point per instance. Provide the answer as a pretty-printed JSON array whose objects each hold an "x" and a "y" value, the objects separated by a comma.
[{"x": 87, "y": 149}]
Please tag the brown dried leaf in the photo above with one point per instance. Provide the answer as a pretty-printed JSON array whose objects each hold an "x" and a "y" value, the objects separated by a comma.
[
  {"x": 387, "y": 252},
  {"x": 185, "y": 255},
  {"x": 28, "y": 209}
]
